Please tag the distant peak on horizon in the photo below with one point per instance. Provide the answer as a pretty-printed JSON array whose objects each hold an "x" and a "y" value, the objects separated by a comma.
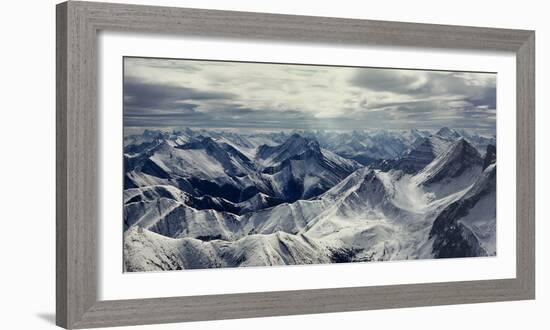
[{"x": 445, "y": 131}]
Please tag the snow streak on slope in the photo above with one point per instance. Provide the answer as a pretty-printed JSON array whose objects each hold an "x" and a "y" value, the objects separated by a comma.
[
  {"x": 455, "y": 169},
  {"x": 467, "y": 227}
]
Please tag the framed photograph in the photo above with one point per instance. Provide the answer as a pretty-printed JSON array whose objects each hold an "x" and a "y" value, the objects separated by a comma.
[{"x": 217, "y": 165}]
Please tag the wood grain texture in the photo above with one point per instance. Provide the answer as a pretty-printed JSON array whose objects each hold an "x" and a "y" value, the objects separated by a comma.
[
  {"x": 525, "y": 165},
  {"x": 77, "y": 190},
  {"x": 296, "y": 28},
  {"x": 77, "y": 142},
  {"x": 61, "y": 166}
]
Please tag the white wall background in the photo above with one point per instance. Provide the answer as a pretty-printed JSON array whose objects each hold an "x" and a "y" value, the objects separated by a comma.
[{"x": 27, "y": 163}]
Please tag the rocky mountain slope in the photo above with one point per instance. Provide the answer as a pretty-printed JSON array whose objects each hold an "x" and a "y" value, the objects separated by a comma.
[{"x": 207, "y": 199}]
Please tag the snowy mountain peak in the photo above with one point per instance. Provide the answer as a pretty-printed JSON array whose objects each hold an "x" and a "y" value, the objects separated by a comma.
[
  {"x": 205, "y": 142},
  {"x": 461, "y": 157},
  {"x": 206, "y": 198},
  {"x": 466, "y": 227},
  {"x": 152, "y": 134},
  {"x": 296, "y": 141},
  {"x": 448, "y": 133},
  {"x": 293, "y": 146},
  {"x": 463, "y": 150},
  {"x": 217, "y": 149},
  {"x": 422, "y": 153}
]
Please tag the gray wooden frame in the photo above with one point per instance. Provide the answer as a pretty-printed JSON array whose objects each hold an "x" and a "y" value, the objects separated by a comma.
[{"x": 78, "y": 24}]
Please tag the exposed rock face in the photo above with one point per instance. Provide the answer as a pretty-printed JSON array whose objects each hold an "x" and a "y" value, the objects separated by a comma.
[
  {"x": 295, "y": 145},
  {"x": 296, "y": 169},
  {"x": 223, "y": 199},
  {"x": 422, "y": 153},
  {"x": 448, "y": 133},
  {"x": 460, "y": 158},
  {"x": 490, "y": 156},
  {"x": 455, "y": 236}
]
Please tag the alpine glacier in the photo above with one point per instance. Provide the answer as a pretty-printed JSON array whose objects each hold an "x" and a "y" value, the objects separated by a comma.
[{"x": 206, "y": 198}]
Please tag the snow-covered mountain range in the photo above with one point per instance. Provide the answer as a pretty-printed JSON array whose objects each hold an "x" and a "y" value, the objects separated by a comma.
[{"x": 197, "y": 198}]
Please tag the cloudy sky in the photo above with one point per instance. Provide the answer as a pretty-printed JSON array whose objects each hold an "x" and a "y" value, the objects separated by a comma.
[{"x": 172, "y": 93}]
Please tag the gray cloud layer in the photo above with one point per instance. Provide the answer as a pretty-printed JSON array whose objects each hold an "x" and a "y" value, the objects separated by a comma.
[{"x": 168, "y": 93}]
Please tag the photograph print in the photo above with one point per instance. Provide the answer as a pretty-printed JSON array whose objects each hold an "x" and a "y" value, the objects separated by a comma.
[{"x": 237, "y": 164}]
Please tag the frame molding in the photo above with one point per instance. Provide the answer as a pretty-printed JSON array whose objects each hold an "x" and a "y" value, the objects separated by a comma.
[{"x": 78, "y": 24}]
